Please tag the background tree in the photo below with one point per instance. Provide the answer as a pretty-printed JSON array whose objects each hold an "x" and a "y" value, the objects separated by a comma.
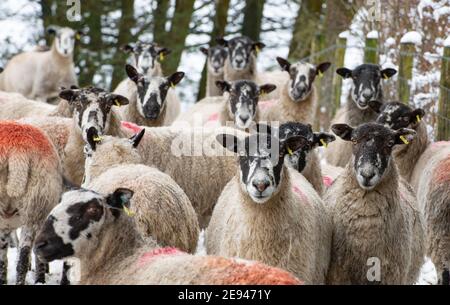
[{"x": 253, "y": 14}]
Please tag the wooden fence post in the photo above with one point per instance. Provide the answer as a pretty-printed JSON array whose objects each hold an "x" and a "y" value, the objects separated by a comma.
[
  {"x": 371, "y": 49},
  {"x": 443, "y": 120},
  {"x": 339, "y": 55},
  {"x": 407, "y": 49}
]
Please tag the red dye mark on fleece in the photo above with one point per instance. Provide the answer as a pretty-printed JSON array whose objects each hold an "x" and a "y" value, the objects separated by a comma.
[
  {"x": 264, "y": 105},
  {"x": 23, "y": 138},
  {"x": 300, "y": 193},
  {"x": 223, "y": 271},
  {"x": 150, "y": 256},
  {"x": 213, "y": 117},
  {"x": 442, "y": 172},
  {"x": 131, "y": 126},
  {"x": 327, "y": 181}
]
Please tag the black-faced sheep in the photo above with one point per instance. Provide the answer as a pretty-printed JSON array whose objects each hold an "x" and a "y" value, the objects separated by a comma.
[{"x": 215, "y": 57}]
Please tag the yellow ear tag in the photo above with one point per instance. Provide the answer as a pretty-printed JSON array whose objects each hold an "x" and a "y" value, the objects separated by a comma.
[
  {"x": 385, "y": 76},
  {"x": 172, "y": 85},
  {"x": 418, "y": 118},
  {"x": 97, "y": 139},
  {"x": 128, "y": 211},
  {"x": 325, "y": 144},
  {"x": 77, "y": 36},
  {"x": 161, "y": 56},
  {"x": 290, "y": 152},
  {"x": 404, "y": 140},
  {"x": 320, "y": 74},
  {"x": 117, "y": 103},
  {"x": 262, "y": 93},
  {"x": 257, "y": 49}
]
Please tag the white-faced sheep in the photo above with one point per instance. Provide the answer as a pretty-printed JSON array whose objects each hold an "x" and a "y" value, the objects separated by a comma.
[
  {"x": 241, "y": 64},
  {"x": 161, "y": 208},
  {"x": 365, "y": 87},
  {"x": 30, "y": 187},
  {"x": 215, "y": 57},
  {"x": 193, "y": 158},
  {"x": 92, "y": 114},
  {"x": 297, "y": 101},
  {"x": 271, "y": 213},
  {"x": 94, "y": 228},
  {"x": 152, "y": 101},
  {"x": 40, "y": 75},
  {"x": 378, "y": 233},
  {"x": 144, "y": 57}
]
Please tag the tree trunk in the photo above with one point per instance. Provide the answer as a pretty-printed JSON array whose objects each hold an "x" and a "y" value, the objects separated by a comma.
[
  {"x": 253, "y": 14},
  {"x": 339, "y": 15},
  {"x": 160, "y": 19},
  {"x": 126, "y": 23},
  {"x": 220, "y": 22},
  {"x": 305, "y": 28},
  {"x": 179, "y": 30}
]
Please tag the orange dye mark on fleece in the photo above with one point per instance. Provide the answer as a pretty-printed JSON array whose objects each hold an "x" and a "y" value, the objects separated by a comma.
[{"x": 150, "y": 256}]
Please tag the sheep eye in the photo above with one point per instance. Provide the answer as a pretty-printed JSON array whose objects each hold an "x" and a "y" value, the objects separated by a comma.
[
  {"x": 406, "y": 119},
  {"x": 391, "y": 143},
  {"x": 354, "y": 141}
]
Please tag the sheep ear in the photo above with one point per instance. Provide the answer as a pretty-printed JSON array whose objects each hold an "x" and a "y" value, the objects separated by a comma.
[
  {"x": 222, "y": 41},
  {"x": 258, "y": 46},
  {"x": 292, "y": 144},
  {"x": 52, "y": 29},
  {"x": 284, "y": 64},
  {"x": 1, "y": 69},
  {"x": 404, "y": 136},
  {"x": 132, "y": 73},
  {"x": 266, "y": 89},
  {"x": 68, "y": 95},
  {"x": 344, "y": 72},
  {"x": 417, "y": 115},
  {"x": 127, "y": 48},
  {"x": 322, "y": 67},
  {"x": 343, "y": 131},
  {"x": 92, "y": 137},
  {"x": 164, "y": 51},
  {"x": 223, "y": 85},
  {"x": 175, "y": 78},
  {"x": 120, "y": 199},
  {"x": 322, "y": 139},
  {"x": 375, "y": 106},
  {"x": 116, "y": 99},
  {"x": 388, "y": 73},
  {"x": 136, "y": 139},
  {"x": 204, "y": 50},
  {"x": 79, "y": 34},
  {"x": 230, "y": 142}
]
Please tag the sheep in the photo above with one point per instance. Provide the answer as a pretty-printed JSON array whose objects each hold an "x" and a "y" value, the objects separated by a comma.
[
  {"x": 305, "y": 160},
  {"x": 145, "y": 58},
  {"x": 15, "y": 106},
  {"x": 203, "y": 113},
  {"x": 271, "y": 213},
  {"x": 193, "y": 159},
  {"x": 112, "y": 251},
  {"x": 93, "y": 114},
  {"x": 365, "y": 87},
  {"x": 39, "y": 75},
  {"x": 378, "y": 233},
  {"x": 298, "y": 100},
  {"x": 152, "y": 103},
  {"x": 31, "y": 186},
  {"x": 215, "y": 57},
  {"x": 241, "y": 64},
  {"x": 162, "y": 210}
]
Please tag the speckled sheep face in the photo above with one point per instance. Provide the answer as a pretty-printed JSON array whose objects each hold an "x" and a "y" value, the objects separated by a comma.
[
  {"x": 302, "y": 76},
  {"x": 73, "y": 227},
  {"x": 64, "y": 39},
  {"x": 396, "y": 115},
  {"x": 144, "y": 56},
  {"x": 260, "y": 162},
  {"x": 372, "y": 148},
  {"x": 299, "y": 158},
  {"x": 152, "y": 92},
  {"x": 366, "y": 83},
  {"x": 92, "y": 109},
  {"x": 216, "y": 59},
  {"x": 240, "y": 50},
  {"x": 243, "y": 100}
]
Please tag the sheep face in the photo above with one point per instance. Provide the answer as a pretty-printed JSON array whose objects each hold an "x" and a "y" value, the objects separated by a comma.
[
  {"x": 260, "y": 162},
  {"x": 64, "y": 39},
  {"x": 397, "y": 115},
  {"x": 298, "y": 159},
  {"x": 366, "y": 83},
  {"x": 152, "y": 92},
  {"x": 73, "y": 227},
  {"x": 216, "y": 59},
  {"x": 302, "y": 76},
  {"x": 240, "y": 50},
  {"x": 243, "y": 97},
  {"x": 145, "y": 55},
  {"x": 92, "y": 109},
  {"x": 372, "y": 147}
]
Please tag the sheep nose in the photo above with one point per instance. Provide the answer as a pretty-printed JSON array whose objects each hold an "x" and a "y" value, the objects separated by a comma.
[
  {"x": 367, "y": 95},
  {"x": 368, "y": 175},
  {"x": 261, "y": 185},
  {"x": 244, "y": 117},
  {"x": 239, "y": 61}
]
